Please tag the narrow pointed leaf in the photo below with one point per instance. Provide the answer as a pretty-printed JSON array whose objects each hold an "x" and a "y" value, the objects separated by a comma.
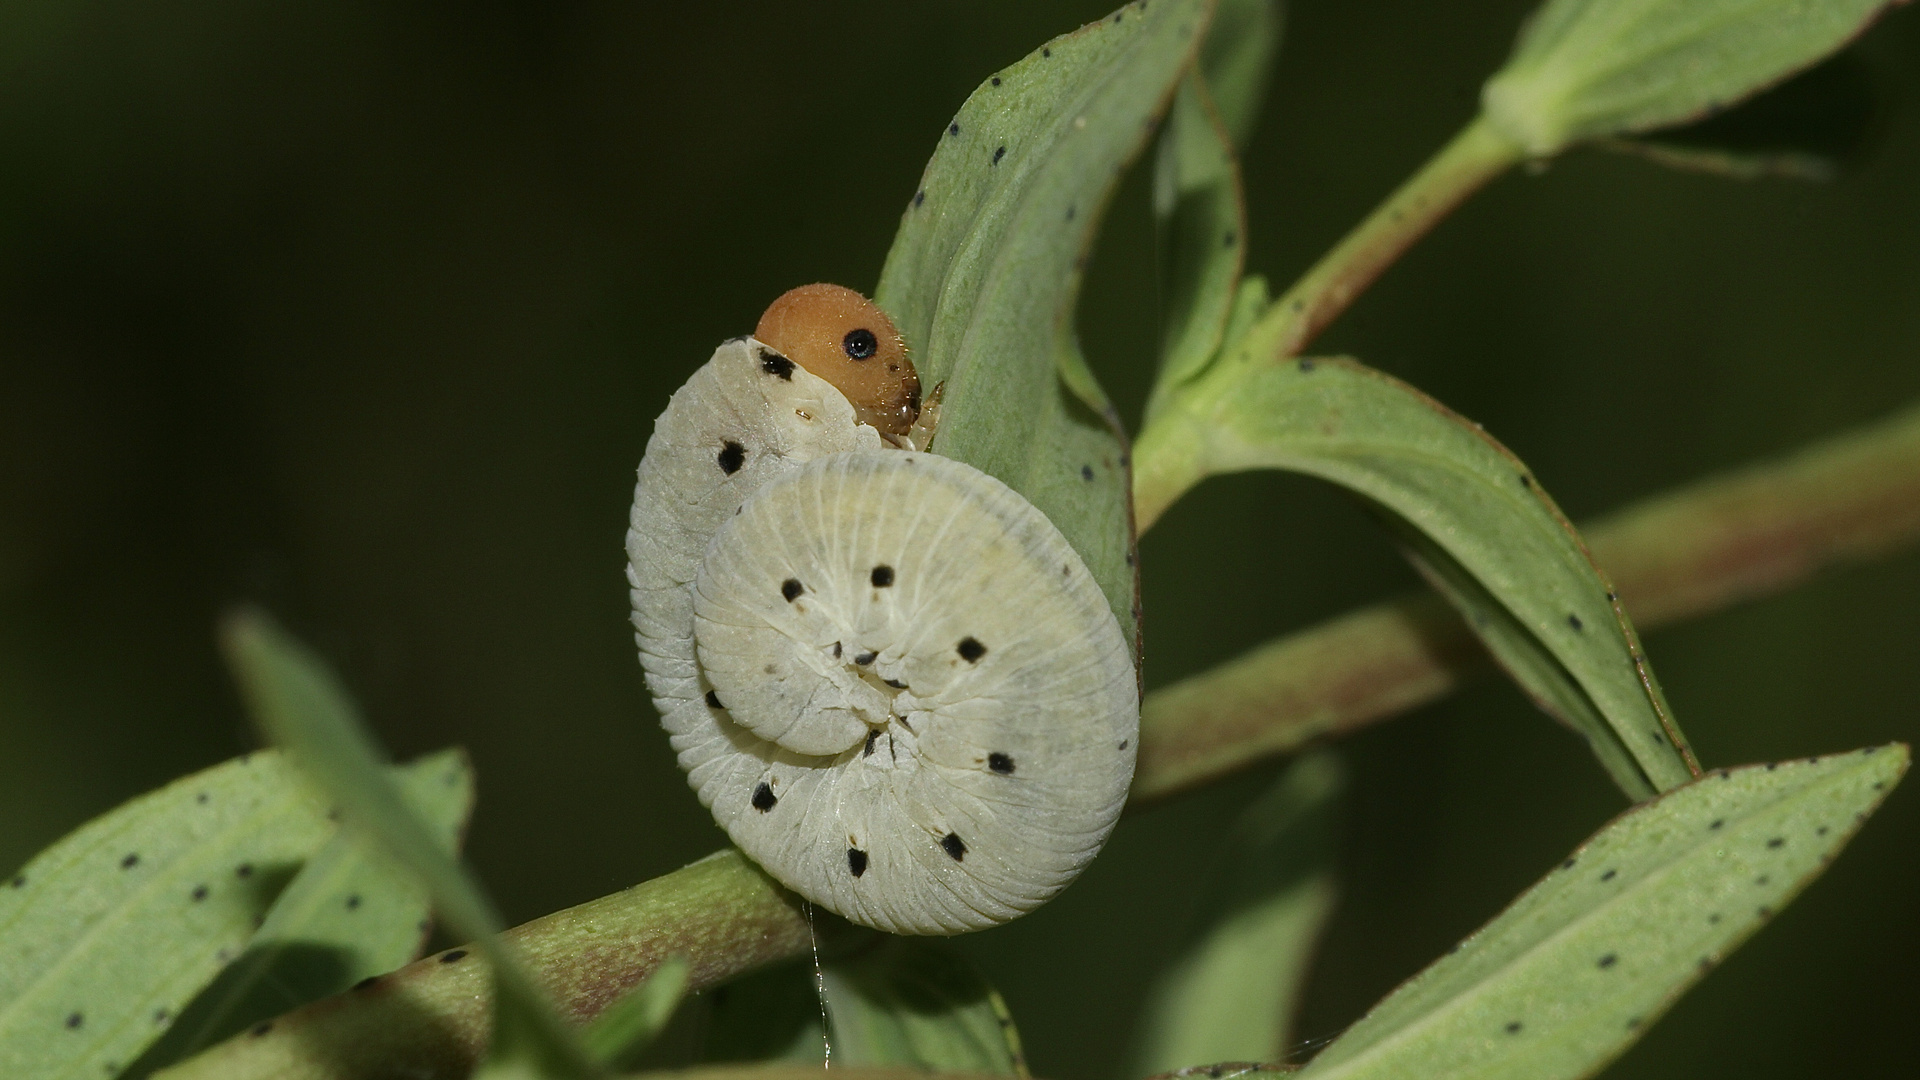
[
  {"x": 1202, "y": 217},
  {"x": 1581, "y": 964},
  {"x": 1237, "y": 60},
  {"x": 1474, "y": 517},
  {"x": 1230, "y": 994},
  {"x": 106, "y": 935},
  {"x": 622, "y": 1033},
  {"x": 986, "y": 269},
  {"x": 299, "y": 704},
  {"x": 349, "y": 914},
  {"x": 1588, "y": 69},
  {"x": 915, "y": 1002}
]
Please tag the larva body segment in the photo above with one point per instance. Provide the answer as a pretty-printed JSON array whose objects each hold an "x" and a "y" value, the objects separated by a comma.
[{"x": 889, "y": 677}]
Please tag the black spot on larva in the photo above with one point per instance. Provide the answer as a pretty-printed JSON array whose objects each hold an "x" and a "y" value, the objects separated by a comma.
[
  {"x": 856, "y": 861},
  {"x": 970, "y": 650},
  {"x": 954, "y": 846},
  {"x": 1776, "y": 841},
  {"x": 860, "y": 344},
  {"x": 872, "y": 737},
  {"x": 1717, "y": 822},
  {"x": 1000, "y": 763},
  {"x": 1568, "y": 865},
  {"x": 453, "y": 956},
  {"x": 953, "y": 129},
  {"x": 1574, "y": 621},
  {"x": 1124, "y": 743},
  {"x": 998, "y": 153},
  {"x": 132, "y": 860},
  {"x": 881, "y": 577},
  {"x": 836, "y": 650},
  {"x": 74, "y": 1020},
  {"x": 367, "y": 983},
  {"x": 865, "y": 658},
  {"x": 244, "y": 870},
  {"x": 1086, "y": 472},
  {"x": 895, "y": 683},
  {"x": 919, "y": 197},
  {"x": 713, "y": 701},
  {"x": 261, "y": 1028},
  {"x": 1609, "y": 875},
  {"x": 732, "y": 456},
  {"x": 1607, "y": 961},
  {"x": 764, "y": 798},
  {"x": 199, "y": 893},
  {"x": 1513, "y": 1027},
  {"x": 791, "y": 589},
  {"x": 1306, "y": 365},
  {"x": 774, "y": 364}
]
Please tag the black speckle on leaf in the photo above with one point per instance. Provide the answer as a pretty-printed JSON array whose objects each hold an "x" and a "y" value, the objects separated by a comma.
[
  {"x": 353, "y": 902},
  {"x": 261, "y": 1028},
  {"x": 1608, "y": 961},
  {"x": 1574, "y": 621},
  {"x": 995, "y": 80},
  {"x": 453, "y": 956},
  {"x": 74, "y": 1020},
  {"x": 919, "y": 197},
  {"x": 131, "y": 860},
  {"x": 1513, "y": 1027},
  {"x": 1609, "y": 875},
  {"x": 998, "y": 153},
  {"x": 953, "y": 129},
  {"x": 1568, "y": 865},
  {"x": 1776, "y": 841},
  {"x": 244, "y": 870},
  {"x": 199, "y": 893},
  {"x": 1086, "y": 473}
]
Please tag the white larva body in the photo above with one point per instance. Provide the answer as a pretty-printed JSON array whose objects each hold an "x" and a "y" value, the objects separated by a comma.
[{"x": 889, "y": 677}]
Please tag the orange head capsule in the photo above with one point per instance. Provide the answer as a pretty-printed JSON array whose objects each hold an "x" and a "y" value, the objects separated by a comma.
[{"x": 840, "y": 336}]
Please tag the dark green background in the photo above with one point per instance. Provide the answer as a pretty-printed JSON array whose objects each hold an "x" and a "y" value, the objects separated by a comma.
[{"x": 363, "y": 311}]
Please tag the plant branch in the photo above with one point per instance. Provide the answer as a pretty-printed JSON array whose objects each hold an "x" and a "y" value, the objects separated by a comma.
[
  {"x": 1474, "y": 156},
  {"x": 431, "y": 1019},
  {"x": 1689, "y": 552}
]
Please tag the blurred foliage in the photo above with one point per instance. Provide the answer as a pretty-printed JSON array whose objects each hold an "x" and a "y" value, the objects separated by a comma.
[{"x": 363, "y": 312}]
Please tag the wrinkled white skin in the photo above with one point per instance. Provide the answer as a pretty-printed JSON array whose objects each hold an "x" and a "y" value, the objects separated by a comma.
[{"x": 967, "y": 794}]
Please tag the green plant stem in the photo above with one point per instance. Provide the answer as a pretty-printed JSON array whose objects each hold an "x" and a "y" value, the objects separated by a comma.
[
  {"x": 431, "y": 1019},
  {"x": 1474, "y": 156},
  {"x": 1704, "y": 547}
]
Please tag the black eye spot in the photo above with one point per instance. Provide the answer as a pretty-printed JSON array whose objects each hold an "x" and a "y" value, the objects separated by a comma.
[
  {"x": 970, "y": 650},
  {"x": 453, "y": 957},
  {"x": 865, "y": 658},
  {"x": 881, "y": 577},
  {"x": 1000, "y": 763},
  {"x": 774, "y": 364},
  {"x": 791, "y": 589},
  {"x": 856, "y": 861},
  {"x": 764, "y": 798},
  {"x": 732, "y": 456},
  {"x": 860, "y": 344},
  {"x": 713, "y": 701},
  {"x": 954, "y": 846}
]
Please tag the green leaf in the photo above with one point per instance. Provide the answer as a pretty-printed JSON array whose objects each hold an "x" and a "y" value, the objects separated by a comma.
[
  {"x": 619, "y": 1035},
  {"x": 298, "y": 704},
  {"x": 1487, "y": 534},
  {"x": 1588, "y": 69},
  {"x": 107, "y": 934},
  {"x": 346, "y": 916},
  {"x": 1203, "y": 220},
  {"x": 1230, "y": 995},
  {"x": 916, "y": 1002},
  {"x": 986, "y": 268},
  {"x": 1579, "y": 966},
  {"x": 1237, "y": 60}
]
